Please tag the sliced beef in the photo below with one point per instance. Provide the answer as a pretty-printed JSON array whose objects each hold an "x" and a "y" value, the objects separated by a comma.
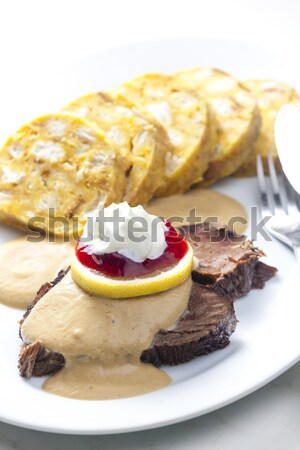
[
  {"x": 35, "y": 360},
  {"x": 228, "y": 267},
  {"x": 227, "y": 262},
  {"x": 262, "y": 273},
  {"x": 205, "y": 327},
  {"x": 41, "y": 292}
]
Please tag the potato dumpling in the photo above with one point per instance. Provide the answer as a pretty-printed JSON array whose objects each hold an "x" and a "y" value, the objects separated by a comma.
[
  {"x": 270, "y": 95},
  {"x": 140, "y": 140},
  {"x": 187, "y": 120},
  {"x": 237, "y": 115},
  {"x": 58, "y": 165}
]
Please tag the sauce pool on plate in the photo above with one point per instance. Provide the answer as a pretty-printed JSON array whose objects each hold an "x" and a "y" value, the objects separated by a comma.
[{"x": 25, "y": 266}]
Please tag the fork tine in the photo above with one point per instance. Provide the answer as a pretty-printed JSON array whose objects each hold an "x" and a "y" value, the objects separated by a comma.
[
  {"x": 277, "y": 198},
  {"x": 291, "y": 196},
  {"x": 261, "y": 179}
]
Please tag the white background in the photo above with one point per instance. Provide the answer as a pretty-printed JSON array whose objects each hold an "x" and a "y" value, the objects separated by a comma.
[{"x": 44, "y": 35}]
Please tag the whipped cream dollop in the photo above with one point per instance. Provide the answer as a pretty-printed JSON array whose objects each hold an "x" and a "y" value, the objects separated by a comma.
[{"x": 129, "y": 231}]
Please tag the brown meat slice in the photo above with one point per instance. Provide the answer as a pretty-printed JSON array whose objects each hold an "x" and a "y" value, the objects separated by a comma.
[
  {"x": 228, "y": 267},
  {"x": 41, "y": 292},
  {"x": 35, "y": 360},
  {"x": 227, "y": 262},
  {"x": 205, "y": 327}
]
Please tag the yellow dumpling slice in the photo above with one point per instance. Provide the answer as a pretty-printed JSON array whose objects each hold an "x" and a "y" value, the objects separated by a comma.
[
  {"x": 237, "y": 115},
  {"x": 270, "y": 95},
  {"x": 54, "y": 171},
  {"x": 140, "y": 140},
  {"x": 187, "y": 120}
]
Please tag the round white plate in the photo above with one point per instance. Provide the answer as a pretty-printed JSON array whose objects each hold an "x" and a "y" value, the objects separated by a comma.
[{"x": 266, "y": 341}]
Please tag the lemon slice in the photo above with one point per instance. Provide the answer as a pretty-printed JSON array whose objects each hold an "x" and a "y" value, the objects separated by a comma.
[{"x": 95, "y": 283}]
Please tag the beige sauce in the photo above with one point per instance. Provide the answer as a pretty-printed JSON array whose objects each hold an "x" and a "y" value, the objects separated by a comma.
[
  {"x": 25, "y": 266},
  {"x": 102, "y": 339},
  {"x": 206, "y": 202}
]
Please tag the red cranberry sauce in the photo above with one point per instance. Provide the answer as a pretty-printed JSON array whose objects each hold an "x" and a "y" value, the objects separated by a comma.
[{"x": 118, "y": 266}]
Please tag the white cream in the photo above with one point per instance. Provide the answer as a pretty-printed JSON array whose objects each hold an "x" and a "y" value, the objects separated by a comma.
[{"x": 129, "y": 231}]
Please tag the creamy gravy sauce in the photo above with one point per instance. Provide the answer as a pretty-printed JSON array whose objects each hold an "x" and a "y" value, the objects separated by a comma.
[
  {"x": 102, "y": 339},
  {"x": 207, "y": 203},
  {"x": 25, "y": 266}
]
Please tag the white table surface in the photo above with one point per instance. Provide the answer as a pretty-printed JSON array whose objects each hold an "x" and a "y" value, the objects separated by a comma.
[{"x": 54, "y": 33}]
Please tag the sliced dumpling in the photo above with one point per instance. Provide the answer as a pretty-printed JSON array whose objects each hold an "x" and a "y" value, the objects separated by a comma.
[
  {"x": 140, "y": 140},
  {"x": 188, "y": 121},
  {"x": 270, "y": 95},
  {"x": 54, "y": 171},
  {"x": 237, "y": 115}
]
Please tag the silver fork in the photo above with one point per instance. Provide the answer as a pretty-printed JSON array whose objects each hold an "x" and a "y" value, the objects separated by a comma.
[{"x": 280, "y": 202}]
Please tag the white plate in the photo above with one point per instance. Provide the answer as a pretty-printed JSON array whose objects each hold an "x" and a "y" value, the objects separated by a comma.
[{"x": 266, "y": 341}]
